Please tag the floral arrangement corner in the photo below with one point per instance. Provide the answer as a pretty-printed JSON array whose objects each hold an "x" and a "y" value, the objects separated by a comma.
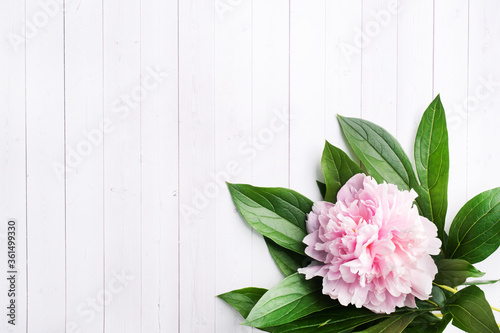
[{"x": 374, "y": 256}]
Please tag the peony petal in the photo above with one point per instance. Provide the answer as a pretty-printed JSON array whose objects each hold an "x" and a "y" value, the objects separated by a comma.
[
  {"x": 352, "y": 186},
  {"x": 347, "y": 275},
  {"x": 312, "y": 222},
  {"x": 313, "y": 270},
  {"x": 410, "y": 301}
]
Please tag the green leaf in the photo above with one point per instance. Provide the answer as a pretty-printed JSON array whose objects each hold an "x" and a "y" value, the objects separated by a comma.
[
  {"x": 337, "y": 168},
  {"x": 292, "y": 299},
  {"x": 338, "y": 319},
  {"x": 287, "y": 261},
  {"x": 475, "y": 231},
  {"x": 480, "y": 282},
  {"x": 428, "y": 323},
  {"x": 454, "y": 272},
  {"x": 436, "y": 301},
  {"x": 383, "y": 157},
  {"x": 471, "y": 311},
  {"x": 243, "y": 300},
  {"x": 322, "y": 188},
  {"x": 437, "y": 296},
  {"x": 441, "y": 326},
  {"x": 433, "y": 161},
  {"x": 277, "y": 213},
  {"x": 394, "y": 324}
]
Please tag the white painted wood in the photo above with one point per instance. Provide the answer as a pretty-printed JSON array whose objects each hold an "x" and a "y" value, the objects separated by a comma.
[
  {"x": 307, "y": 95},
  {"x": 482, "y": 106},
  {"x": 342, "y": 67},
  {"x": 379, "y": 63},
  {"x": 233, "y": 129},
  {"x": 414, "y": 67},
  {"x": 84, "y": 180},
  {"x": 123, "y": 221},
  {"x": 159, "y": 156},
  {"x": 12, "y": 157},
  {"x": 46, "y": 223},
  {"x": 215, "y": 76},
  {"x": 197, "y": 166}
]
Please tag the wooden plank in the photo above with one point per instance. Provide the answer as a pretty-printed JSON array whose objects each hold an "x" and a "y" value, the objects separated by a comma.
[
  {"x": 84, "y": 165},
  {"x": 45, "y": 155},
  {"x": 379, "y": 63},
  {"x": 197, "y": 166},
  {"x": 159, "y": 151},
  {"x": 13, "y": 161},
  {"x": 123, "y": 92},
  {"x": 343, "y": 67},
  {"x": 307, "y": 95},
  {"x": 451, "y": 81},
  {"x": 415, "y": 56},
  {"x": 233, "y": 129}
]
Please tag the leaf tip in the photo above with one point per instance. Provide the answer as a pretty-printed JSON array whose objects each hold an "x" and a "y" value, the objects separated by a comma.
[
  {"x": 246, "y": 323},
  {"x": 438, "y": 98},
  {"x": 342, "y": 121}
]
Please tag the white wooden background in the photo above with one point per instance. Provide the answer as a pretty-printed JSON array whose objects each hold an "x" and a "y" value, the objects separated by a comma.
[{"x": 120, "y": 121}]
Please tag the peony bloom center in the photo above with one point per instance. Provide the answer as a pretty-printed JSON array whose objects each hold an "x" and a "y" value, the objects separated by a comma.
[{"x": 372, "y": 247}]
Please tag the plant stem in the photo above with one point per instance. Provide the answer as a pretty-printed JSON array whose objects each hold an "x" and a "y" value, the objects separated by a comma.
[
  {"x": 496, "y": 309},
  {"x": 450, "y": 289},
  {"x": 453, "y": 290}
]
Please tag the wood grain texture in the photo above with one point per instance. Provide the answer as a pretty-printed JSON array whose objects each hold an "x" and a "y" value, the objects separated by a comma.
[
  {"x": 46, "y": 187},
  {"x": 120, "y": 121},
  {"x": 84, "y": 166},
  {"x": 13, "y": 151},
  {"x": 123, "y": 221}
]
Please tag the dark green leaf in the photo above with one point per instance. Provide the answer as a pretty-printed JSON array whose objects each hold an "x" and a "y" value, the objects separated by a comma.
[
  {"x": 243, "y": 300},
  {"x": 441, "y": 326},
  {"x": 428, "y": 323},
  {"x": 425, "y": 305},
  {"x": 435, "y": 302},
  {"x": 338, "y": 319},
  {"x": 454, "y": 272},
  {"x": 437, "y": 296},
  {"x": 277, "y": 213},
  {"x": 322, "y": 188},
  {"x": 475, "y": 231},
  {"x": 337, "y": 168},
  {"x": 287, "y": 261},
  {"x": 394, "y": 324},
  {"x": 383, "y": 157},
  {"x": 292, "y": 299},
  {"x": 433, "y": 162},
  {"x": 471, "y": 311}
]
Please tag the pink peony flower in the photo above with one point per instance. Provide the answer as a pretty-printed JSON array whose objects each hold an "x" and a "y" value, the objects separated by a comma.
[{"x": 372, "y": 247}]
